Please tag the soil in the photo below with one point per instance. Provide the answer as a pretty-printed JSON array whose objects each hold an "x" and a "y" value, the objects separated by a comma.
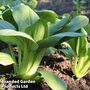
[{"x": 60, "y": 65}]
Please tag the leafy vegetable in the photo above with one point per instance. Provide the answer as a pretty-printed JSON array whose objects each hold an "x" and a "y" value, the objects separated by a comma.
[
  {"x": 5, "y": 59},
  {"x": 31, "y": 34},
  {"x": 53, "y": 80},
  {"x": 48, "y": 15},
  {"x": 6, "y": 25},
  {"x": 87, "y": 29},
  {"x": 28, "y": 17},
  {"x": 81, "y": 61}
]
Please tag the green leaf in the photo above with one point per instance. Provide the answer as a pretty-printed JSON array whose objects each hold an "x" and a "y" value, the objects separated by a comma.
[
  {"x": 76, "y": 23},
  {"x": 58, "y": 25},
  {"x": 69, "y": 53},
  {"x": 52, "y": 40},
  {"x": 82, "y": 51},
  {"x": 89, "y": 51},
  {"x": 7, "y": 16},
  {"x": 32, "y": 3},
  {"x": 80, "y": 47},
  {"x": 73, "y": 43},
  {"x": 0, "y": 14},
  {"x": 24, "y": 16},
  {"x": 87, "y": 29},
  {"x": 48, "y": 15},
  {"x": 16, "y": 37},
  {"x": 52, "y": 80},
  {"x": 38, "y": 31},
  {"x": 50, "y": 50},
  {"x": 6, "y": 59},
  {"x": 80, "y": 44},
  {"x": 6, "y": 25}
]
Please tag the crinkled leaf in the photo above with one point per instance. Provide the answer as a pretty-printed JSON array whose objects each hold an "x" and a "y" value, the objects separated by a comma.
[
  {"x": 58, "y": 25},
  {"x": 6, "y": 25},
  {"x": 24, "y": 16},
  {"x": 52, "y": 80},
  {"x": 48, "y": 15},
  {"x": 52, "y": 40},
  {"x": 16, "y": 37},
  {"x": 6, "y": 59}
]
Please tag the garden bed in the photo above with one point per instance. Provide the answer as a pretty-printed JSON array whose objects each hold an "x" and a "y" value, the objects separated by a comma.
[{"x": 58, "y": 64}]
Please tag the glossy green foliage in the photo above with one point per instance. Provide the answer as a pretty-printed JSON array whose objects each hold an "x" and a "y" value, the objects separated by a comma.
[
  {"x": 53, "y": 81},
  {"x": 16, "y": 38},
  {"x": 32, "y": 34},
  {"x": 87, "y": 29},
  {"x": 81, "y": 49},
  {"x": 48, "y": 15},
  {"x": 32, "y": 3},
  {"x": 67, "y": 50},
  {"x": 38, "y": 31},
  {"x": 6, "y": 25},
  {"x": 6, "y": 59},
  {"x": 26, "y": 16},
  {"x": 77, "y": 23},
  {"x": 58, "y": 25}
]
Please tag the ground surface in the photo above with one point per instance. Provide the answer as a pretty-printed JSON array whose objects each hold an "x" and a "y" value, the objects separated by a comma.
[
  {"x": 58, "y": 64},
  {"x": 61, "y": 66}
]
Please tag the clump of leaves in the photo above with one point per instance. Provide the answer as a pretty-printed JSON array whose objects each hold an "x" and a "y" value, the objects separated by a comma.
[
  {"x": 78, "y": 51},
  {"x": 81, "y": 48},
  {"x": 33, "y": 32}
]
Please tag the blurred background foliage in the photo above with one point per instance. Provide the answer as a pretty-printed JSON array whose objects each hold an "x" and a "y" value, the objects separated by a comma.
[
  {"x": 65, "y": 6},
  {"x": 59, "y": 6}
]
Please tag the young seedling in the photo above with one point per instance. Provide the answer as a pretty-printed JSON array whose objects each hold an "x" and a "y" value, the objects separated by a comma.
[
  {"x": 78, "y": 50},
  {"x": 81, "y": 61}
]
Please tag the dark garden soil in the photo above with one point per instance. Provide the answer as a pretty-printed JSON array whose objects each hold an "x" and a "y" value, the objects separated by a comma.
[{"x": 60, "y": 65}]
